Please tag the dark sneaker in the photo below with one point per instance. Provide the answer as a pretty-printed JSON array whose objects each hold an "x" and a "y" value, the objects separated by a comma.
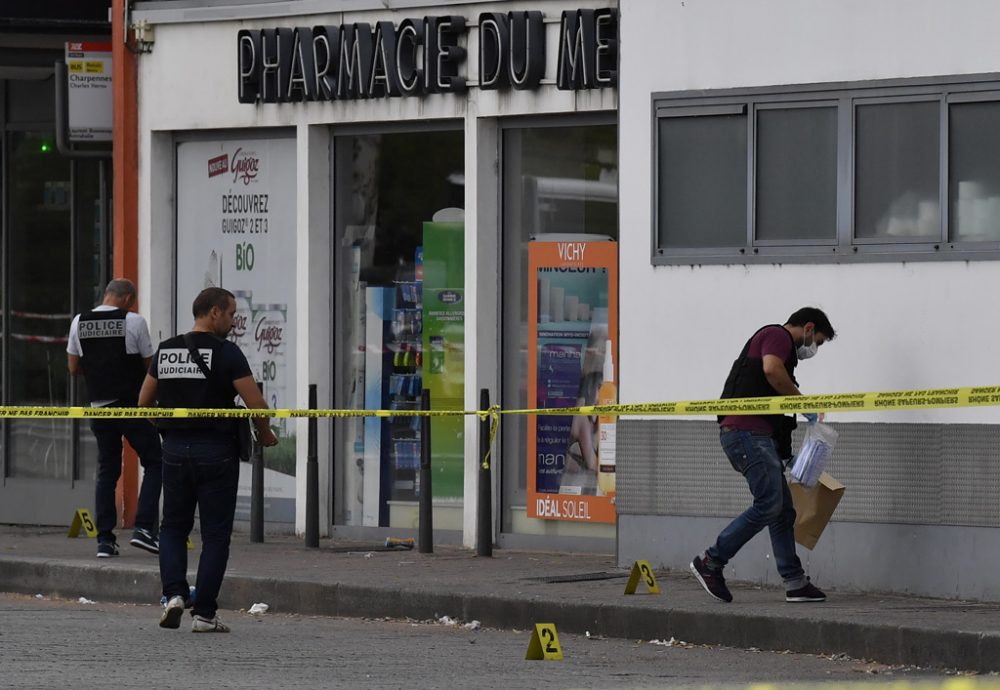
[
  {"x": 172, "y": 613},
  {"x": 805, "y": 594},
  {"x": 711, "y": 579},
  {"x": 107, "y": 549},
  {"x": 142, "y": 539},
  {"x": 201, "y": 624}
]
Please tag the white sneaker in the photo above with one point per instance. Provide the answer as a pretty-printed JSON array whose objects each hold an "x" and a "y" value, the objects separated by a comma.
[
  {"x": 201, "y": 624},
  {"x": 173, "y": 613}
]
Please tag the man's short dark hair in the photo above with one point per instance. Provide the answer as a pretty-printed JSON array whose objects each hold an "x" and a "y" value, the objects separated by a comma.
[
  {"x": 120, "y": 287},
  {"x": 211, "y": 297},
  {"x": 815, "y": 316}
]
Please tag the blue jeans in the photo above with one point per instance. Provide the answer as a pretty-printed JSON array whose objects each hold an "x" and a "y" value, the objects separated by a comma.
[
  {"x": 203, "y": 473},
  {"x": 143, "y": 438},
  {"x": 754, "y": 456}
]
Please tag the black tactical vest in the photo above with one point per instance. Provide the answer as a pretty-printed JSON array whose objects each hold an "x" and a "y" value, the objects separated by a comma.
[
  {"x": 747, "y": 380},
  {"x": 181, "y": 383},
  {"x": 111, "y": 373}
]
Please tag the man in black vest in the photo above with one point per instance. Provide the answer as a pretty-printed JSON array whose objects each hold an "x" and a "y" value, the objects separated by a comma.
[
  {"x": 110, "y": 346},
  {"x": 200, "y": 369},
  {"x": 756, "y": 446}
]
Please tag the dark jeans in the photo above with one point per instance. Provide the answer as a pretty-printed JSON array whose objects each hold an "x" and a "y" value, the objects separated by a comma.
[
  {"x": 754, "y": 456},
  {"x": 145, "y": 441},
  {"x": 200, "y": 473}
]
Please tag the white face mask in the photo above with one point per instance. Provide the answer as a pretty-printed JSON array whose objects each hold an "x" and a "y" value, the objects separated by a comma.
[{"x": 806, "y": 351}]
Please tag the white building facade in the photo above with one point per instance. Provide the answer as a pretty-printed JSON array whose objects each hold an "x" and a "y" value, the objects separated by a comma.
[
  {"x": 341, "y": 171},
  {"x": 780, "y": 154}
]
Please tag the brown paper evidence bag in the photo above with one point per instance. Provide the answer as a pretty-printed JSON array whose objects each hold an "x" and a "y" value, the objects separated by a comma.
[{"x": 814, "y": 507}]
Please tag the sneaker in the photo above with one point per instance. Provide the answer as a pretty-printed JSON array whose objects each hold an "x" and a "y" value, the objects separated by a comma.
[
  {"x": 171, "y": 617},
  {"x": 805, "y": 594},
  {"x": 142, "y": 539},
  {"x": 202, "y": 624},
  {"x": 188, "y": 603},
  {"x": 107, "y": 549},
  {"x": 711, "y": 579}
]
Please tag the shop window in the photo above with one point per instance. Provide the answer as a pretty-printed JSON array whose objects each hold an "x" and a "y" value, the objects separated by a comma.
[
  {"x": 871, "y": 171},
  {"x": 558, "y": 181},
  {"x": 400, "y": 329}
]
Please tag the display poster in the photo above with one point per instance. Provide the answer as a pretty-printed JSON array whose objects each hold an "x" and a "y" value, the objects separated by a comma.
[
  {"x": 88, "y": 91},
  {"x": 572, "y": 314},
  {"x": 236, "y": 230},
  {"x": 443, "y": 369}
]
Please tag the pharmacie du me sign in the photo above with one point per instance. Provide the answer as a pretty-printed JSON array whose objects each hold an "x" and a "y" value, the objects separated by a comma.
[{"x": 423, "y": 56}]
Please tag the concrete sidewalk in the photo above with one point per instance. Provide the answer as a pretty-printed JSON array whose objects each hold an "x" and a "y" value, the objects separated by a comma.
[{"x": 577, "y": 592}]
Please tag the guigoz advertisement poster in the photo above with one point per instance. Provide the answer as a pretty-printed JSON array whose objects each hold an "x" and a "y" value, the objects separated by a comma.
[
  {"x": 572, "y": 316},
  {"x": 236, "y": 230}
]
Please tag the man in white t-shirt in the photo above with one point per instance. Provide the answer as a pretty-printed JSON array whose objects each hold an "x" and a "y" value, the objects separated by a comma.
[{"x": 110, "y": 346}]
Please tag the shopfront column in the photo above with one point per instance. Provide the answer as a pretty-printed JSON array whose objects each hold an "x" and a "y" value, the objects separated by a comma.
[
  {"x": 313, "y": 253},
  {"x": 482, "y": 295}
]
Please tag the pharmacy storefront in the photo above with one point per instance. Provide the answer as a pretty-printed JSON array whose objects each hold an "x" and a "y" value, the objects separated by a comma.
[{"x": 417, "y": 198}]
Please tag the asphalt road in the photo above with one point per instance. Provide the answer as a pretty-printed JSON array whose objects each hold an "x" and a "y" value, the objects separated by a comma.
[{"x": 51, "y": 643}]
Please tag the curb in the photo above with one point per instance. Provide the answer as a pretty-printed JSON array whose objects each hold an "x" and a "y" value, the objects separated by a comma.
[{"x": 885, "y": 643}]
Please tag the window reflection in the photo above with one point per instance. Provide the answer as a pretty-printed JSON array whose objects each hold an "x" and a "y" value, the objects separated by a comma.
[
  {"x": 555, "y": 180},
  {"x": 39, "y": 240},
  {"x": 897, "y": 188}
]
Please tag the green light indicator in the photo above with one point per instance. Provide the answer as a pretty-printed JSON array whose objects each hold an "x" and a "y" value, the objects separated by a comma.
[{"x": 45, "y": 147}]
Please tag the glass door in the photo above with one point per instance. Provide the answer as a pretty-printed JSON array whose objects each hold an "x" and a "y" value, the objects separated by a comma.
[
  {"x": 56, "y": 258},
  {"x": 399, "y": 224}
]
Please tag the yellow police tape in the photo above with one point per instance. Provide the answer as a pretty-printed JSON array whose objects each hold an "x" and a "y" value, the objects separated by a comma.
[{"x": 983, "y": 396}]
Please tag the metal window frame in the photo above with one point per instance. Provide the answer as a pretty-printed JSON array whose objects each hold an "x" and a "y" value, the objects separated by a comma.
[
  {"x": 856, "y": 104},
  {"x": 753, "y": 240},
  {"x": 957, "y": 98},
  {"x": 506, "y": 125},
  {"x": 730, "y": 107},
  {"x": 847, "y": 96}
]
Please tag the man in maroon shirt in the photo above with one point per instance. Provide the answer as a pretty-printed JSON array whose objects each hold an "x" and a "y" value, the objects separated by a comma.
[{"x": 756, "y": 445}]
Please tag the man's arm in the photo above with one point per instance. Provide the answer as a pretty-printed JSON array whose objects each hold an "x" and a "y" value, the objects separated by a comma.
[
  {"x": 147, "y": 394},
  {"x": 777, "y": 376},
  {"x": 73, "y": 364},
  {"x": 247, "y": 388}
]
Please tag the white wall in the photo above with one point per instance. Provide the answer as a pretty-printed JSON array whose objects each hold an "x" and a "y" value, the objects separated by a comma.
[{"x": 900, "y": 325}]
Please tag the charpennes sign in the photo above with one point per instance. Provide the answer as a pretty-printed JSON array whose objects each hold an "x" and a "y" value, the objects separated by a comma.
[{"x": 423, "y": 56}]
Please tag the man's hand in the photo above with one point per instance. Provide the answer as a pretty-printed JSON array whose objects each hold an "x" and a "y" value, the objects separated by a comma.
[{"x": 266, "y": 437}]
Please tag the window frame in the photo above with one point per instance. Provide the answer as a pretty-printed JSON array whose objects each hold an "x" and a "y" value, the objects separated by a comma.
[
  {"x": 753, "y": 165},
  {"x": 846, "y": 97}
]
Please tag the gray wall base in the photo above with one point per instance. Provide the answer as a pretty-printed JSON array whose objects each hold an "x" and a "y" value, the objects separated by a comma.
[{"x": 926, "y": 560}]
